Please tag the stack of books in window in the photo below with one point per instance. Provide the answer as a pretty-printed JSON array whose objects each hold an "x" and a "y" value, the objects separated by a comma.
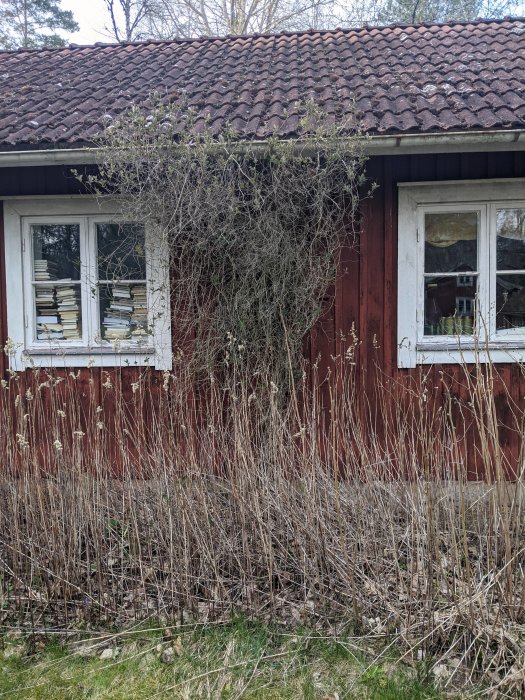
[
  {"x": 45, "y": 301},
  {"x": 48, "y": 326},
  {"x": 117, "y": 318},
  {"x": 139, "y": 316},
  {"x": 126, "y": 315},
  {"x": 45, "y": 270},
  {"x": 68, "y": 303}
]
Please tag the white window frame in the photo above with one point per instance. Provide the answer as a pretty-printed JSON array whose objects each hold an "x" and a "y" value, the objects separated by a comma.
[
  {"x": 415, "y": 200},
  {"x": 154, "y": 350}
]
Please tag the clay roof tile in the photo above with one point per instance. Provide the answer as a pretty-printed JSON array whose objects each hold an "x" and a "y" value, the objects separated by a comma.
[{"x": 405, "y": 79}]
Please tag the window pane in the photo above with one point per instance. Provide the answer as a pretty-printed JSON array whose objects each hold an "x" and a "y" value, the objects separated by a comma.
[
  {"x": 121, "y": 253},
  {"x": 58, "y": 312},
  {"x": 56, "y": 251},
  {"x": 510, "y": 242},
  {"x": 450, "y": 305},
  {"x": 123, "y": 311},
  {"x": 451, "y": 242},
  {"x": 510, "y": 301}
]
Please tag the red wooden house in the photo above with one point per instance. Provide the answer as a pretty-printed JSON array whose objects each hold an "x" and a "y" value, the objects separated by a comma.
[{"x": 438, "y": 275}]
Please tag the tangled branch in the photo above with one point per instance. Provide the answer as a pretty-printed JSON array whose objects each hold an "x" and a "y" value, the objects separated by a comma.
[{"x": 254, "y": 229}]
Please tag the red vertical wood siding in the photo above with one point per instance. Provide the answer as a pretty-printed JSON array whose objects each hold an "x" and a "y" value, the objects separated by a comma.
[
  {"x": 363, "y": 303},
  {"x": 373, "y": 282}
]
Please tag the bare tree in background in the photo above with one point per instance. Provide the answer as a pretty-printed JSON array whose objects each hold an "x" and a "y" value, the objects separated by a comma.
[
  {"x": 128, "y": 19},
  {"x": 411, "y": 11},
  {"x": 168, "y": 19}
]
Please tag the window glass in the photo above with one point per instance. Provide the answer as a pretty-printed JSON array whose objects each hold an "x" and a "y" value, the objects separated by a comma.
[
  {"x": 121, "y": 252},
  {"x": 510, "y": 301},
  {"x": 123, "y": 311},
  {"x": 451, "y": 248},
  {"x": 451, "y": 241},
  {"x": 449, "y": 305},
  {"x": 122, "y": 281},
  {"x": 510, "y": 240},
  {"x": 56, "y": 251},
  {"x": 56, "y": 281}
]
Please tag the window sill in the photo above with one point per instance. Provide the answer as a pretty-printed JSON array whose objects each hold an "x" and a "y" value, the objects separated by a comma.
[
  {"x": 92, "y": 351},
  {"x": 468, "y": 352},
  {"x": 79, "y": 357}
]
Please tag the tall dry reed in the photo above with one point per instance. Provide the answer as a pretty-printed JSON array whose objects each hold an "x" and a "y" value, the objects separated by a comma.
[{"x": 131, "y": 493}]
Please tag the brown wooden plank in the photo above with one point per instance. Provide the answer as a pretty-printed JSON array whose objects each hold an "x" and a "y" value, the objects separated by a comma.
[
  {"x": 372, "y": 270},
  {"x": 389, "y": 353}
]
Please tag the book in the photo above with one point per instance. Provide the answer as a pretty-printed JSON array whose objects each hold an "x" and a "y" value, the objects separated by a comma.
[
  {"x": 122, "y": 307},
  {"x": 49, "y": 327},
  {"x": 45, "y": 294},
  {"x": 139, "y": 317},
  {"x": 121, "y": 292},
  {"x": 49, "y": 335},
  {"x": 139, "y": 333},
  {"x": 116, "y": 333}
]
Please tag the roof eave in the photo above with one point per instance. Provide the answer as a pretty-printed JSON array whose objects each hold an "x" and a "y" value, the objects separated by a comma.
[{"x": 396, "y": 144}]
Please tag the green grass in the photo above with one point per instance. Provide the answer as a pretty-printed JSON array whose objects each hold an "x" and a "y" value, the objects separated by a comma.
[{"x": 223, "y": 661}]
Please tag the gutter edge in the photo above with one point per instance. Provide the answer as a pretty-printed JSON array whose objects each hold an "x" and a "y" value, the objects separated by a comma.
[{"x": 498, "y": 140}]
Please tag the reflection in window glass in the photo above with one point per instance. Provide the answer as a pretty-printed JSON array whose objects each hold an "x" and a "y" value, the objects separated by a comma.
[
  {"x": 121, "y": 252},
  {"x": 449, "y": 306},
  {"x": 56, "y": 266},
  {"x": 510, "y": 241},
  {"x": 510, "y": 301},
  {"x": 56, "y": 252},
  {"x": 451, "y": 242}
]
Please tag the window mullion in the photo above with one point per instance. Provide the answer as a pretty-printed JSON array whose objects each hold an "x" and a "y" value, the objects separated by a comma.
[
  {"x": 84, "y": 266},
  {"x": 91, "y": 282},
  {"x": 490, "y": 274}
]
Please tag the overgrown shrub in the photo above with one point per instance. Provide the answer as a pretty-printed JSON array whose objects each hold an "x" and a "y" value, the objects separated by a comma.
[{"x": 253, "y": 230}]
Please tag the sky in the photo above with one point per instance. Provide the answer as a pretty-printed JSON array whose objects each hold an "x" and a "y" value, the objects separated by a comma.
[{"x": 91, "y": 15}]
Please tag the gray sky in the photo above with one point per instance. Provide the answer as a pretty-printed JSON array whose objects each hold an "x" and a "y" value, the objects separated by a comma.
[{"x": 92, "y": 16}]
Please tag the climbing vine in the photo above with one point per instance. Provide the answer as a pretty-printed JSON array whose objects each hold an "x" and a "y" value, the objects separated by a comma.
[{"x": 253, "y": 229}]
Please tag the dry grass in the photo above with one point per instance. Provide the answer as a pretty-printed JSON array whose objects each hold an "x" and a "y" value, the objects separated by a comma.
[{"x": 145, "y": 500}]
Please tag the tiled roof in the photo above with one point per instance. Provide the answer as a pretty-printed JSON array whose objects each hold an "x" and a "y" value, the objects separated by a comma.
[{"x": 404, "y": 79}]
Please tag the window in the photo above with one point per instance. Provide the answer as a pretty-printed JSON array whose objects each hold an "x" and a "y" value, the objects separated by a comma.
[
  {"x": 465, "y": 281},
  {"x": 94, "y": 289},
  {"x": 461, "y": 272}
]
